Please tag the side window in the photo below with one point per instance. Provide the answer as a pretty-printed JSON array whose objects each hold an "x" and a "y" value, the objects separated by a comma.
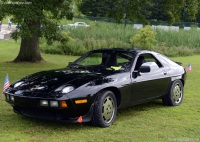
[
  {"x": 123, "y": 60},
  {"x": 148, "y": 59}
]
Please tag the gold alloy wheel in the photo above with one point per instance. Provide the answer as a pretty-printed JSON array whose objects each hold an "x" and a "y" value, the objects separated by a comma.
[
  {"x": 108, "y": 109},
  {"x": 177, "y": 93}
]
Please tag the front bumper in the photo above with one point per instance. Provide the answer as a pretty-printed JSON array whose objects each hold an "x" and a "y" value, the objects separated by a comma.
[{"x": 30, "y": 107}]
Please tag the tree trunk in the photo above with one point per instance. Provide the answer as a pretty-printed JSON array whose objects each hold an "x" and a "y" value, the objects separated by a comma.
[{"x": 29, "y": 50}]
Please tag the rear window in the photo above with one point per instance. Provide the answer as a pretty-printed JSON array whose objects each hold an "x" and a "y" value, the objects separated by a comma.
[{"x": 169, "y": 61}]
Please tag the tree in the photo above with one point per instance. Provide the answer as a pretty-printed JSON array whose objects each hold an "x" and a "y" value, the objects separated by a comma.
[
  {"x": 198, "y": 17},
  {"x": 35, "y": 19},
  {"x": 92, "y": 7},
  {"x": 157, "y": 12},
  {"x": 142, "y": 10},
  {"x": 117, "y": 9}
]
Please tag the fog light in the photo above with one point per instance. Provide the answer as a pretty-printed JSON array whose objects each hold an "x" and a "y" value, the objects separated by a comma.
[
  {"x": 53, "y": 103},
  {"x": 44, "y": 103},
  {"x": 12, "y": 98}
]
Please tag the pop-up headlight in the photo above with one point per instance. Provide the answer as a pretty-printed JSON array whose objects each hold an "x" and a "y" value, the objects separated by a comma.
[
  {"x": 18, "y": 84},
  {"x": 67, "y": 89}
]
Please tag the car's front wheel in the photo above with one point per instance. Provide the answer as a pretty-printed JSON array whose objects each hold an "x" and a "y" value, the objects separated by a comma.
[
  {"x": 175, "y": 95},
  {"x": 105, "y": 109}
]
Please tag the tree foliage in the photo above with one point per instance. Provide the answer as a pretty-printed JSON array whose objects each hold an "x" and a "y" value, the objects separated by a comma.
[
  {"x": 117, "y": 9},
  {"x": 35, "y": 19},
  {"x": 46, "y": 14},
  {"x": 92, "y": 7},
  {"x": 142, "y": 10}
]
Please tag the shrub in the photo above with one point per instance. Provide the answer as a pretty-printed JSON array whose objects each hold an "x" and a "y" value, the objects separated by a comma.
[
  {"x": 175, "y": 51},
  {"x": 145, "y": 38}
]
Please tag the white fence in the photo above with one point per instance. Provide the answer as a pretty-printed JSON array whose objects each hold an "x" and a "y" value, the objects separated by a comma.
[
  {"x": 164, "y": 28},
  {"x": 138, "y": 26}
]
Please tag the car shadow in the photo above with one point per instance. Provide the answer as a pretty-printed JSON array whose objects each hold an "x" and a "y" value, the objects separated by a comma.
[
  {"x": 142, "y": 107},
  {"x": 48, "y": 124},
  {"x": 122, "y": 113}
]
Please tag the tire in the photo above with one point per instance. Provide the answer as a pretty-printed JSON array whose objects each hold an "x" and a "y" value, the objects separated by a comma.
[
  {"x": 105, "y": 109},
  {"x": 175, "y": 95}
]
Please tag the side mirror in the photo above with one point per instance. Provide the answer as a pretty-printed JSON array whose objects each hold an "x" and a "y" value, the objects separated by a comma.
[{"x": 144, "y": 69}]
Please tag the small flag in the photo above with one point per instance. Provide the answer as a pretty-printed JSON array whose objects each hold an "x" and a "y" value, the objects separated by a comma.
[
  {"x": 189, "y": 68},
  {"x": 79, "y": 120},
  {"x": 6, "y": 83}
]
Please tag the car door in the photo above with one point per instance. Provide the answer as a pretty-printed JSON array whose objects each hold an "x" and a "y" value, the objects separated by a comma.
[{"x": 146, "y": 86}]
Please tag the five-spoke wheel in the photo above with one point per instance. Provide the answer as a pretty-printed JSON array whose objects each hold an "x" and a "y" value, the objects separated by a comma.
[{"x": 105, "y": 109}]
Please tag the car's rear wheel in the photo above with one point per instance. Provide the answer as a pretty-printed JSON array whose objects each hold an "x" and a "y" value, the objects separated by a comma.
[
  {"x": 105, "y": 109},
  {"x": 175, "y": 95}
]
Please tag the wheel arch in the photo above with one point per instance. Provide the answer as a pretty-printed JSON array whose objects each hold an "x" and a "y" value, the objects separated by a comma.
[
  {"x": 183, "y": 82},
  {"x": 116, "y": 93},
  {"x": 168, "y": 99}
]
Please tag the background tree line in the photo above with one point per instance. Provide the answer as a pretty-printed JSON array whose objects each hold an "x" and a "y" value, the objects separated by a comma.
[
  {"x": 142, "y": 10},
  {"x": 40, "y": 18}
]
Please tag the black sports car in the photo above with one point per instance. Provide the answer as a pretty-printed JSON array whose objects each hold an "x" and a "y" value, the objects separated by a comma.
[{"x": 93, "y": 87}]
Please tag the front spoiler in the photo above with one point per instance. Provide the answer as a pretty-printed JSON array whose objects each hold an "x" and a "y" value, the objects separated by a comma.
[
  {"x": 30, "y": 107},
  {"x": 53, "y": 115}
]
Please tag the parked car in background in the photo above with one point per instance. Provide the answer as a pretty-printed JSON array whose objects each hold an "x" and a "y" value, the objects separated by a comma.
[
  {"x": 79, "y": 24},
  {"x": 97, "y": 84}
]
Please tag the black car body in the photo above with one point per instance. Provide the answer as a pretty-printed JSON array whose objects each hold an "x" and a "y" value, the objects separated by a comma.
[{"x": 97, "y": 84}]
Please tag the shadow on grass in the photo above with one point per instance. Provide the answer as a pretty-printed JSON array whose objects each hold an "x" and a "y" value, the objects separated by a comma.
[
  {"x": 27, "y": 122},
  {"x": 143, "y": 107},
  {"x": 48, "y": 124}
]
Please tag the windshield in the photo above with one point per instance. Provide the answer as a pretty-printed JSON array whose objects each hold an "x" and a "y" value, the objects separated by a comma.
[{"x": 105, "y": 60}]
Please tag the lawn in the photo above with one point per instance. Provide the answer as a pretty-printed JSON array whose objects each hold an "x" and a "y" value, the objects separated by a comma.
[{"x": 148, "y": 122}]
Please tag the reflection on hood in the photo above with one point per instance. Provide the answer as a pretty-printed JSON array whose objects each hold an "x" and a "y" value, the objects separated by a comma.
[{"x": 48, "y": 81}]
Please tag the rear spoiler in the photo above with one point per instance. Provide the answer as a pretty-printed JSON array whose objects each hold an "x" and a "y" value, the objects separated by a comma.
[{"x": 179, "y": 63}]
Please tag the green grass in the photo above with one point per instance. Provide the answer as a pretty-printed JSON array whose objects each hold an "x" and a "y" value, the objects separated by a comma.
[{"x": 150, "y": 122}]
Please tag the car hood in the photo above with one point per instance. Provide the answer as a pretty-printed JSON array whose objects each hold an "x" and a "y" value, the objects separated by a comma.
[{"x": 49, "y": 81}]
